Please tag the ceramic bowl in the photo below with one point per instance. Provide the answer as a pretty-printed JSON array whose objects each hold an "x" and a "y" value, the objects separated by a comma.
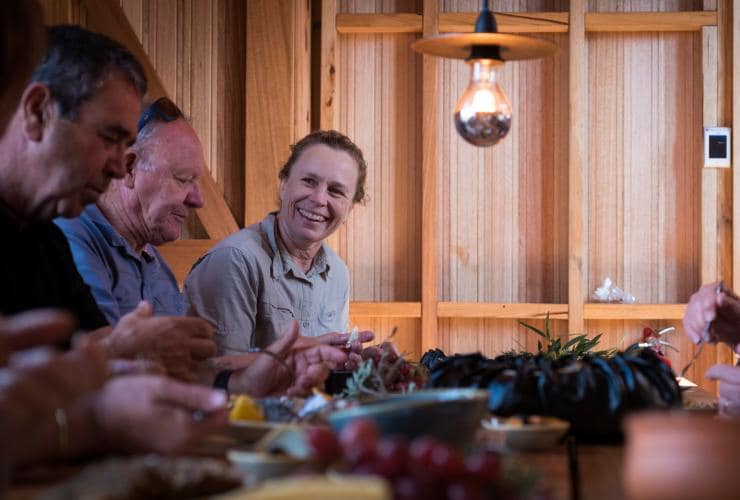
[{"x": 450, "y": 415}]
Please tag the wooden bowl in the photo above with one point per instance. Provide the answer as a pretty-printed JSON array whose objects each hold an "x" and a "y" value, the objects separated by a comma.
[
  {"x": 678, "y": 455},
  {"x": 539, "y": 433}
]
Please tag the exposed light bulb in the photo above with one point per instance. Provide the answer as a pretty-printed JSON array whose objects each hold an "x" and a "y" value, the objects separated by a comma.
[{"x": 483, "y": 112}]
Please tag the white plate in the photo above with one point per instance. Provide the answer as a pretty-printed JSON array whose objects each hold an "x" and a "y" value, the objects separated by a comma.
[{"x": 539, "y": 433}]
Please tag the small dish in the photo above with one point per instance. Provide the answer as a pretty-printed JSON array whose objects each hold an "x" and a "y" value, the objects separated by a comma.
[
  {"x": 534, "y": 433},
  {"x": 277, "y": 454},
  {"x": 251, "y": 431},
  {"x": 258, "y": 466}
]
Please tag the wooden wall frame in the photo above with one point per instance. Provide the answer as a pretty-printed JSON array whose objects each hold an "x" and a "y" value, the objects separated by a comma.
[
  {"x": 720, "y": 250},
  {"x": 577, "y": 22}
]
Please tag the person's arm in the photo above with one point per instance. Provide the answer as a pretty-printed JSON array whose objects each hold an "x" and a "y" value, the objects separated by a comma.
[
  {"x": 39, "y": 397},
  {"x": 223, "y": 289},
  {"x": 713, "y": 309},
  {"x": 130, "y": 414},
  {"x": 180, "y": 344},
  {"x": 148, "y": 413},
  {"x": 285, "y": 370},
  {"x": 92, "y": 266},
  {"x": 729, "y": 388}
]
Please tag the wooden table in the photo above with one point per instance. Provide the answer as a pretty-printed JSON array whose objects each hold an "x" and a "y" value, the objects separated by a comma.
[
  {"x": 599, "y": 468},
  {"x": 599, "y": 471}
]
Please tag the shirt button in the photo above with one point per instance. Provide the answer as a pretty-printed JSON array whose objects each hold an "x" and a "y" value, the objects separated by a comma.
[{"x": 305, "y": 324}]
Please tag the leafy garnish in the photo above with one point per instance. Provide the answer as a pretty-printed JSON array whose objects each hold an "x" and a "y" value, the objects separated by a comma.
[{"x": 578, "y": 346}]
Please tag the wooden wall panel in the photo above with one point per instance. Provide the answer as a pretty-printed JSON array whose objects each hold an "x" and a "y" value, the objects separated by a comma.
[
  {"x": 198, "y": 56},
  {"x": 503, "y": 210},
  {"x": 381, "y": 241},
  {"x": 63, "y": 12},
  {"x": 378, "y": 77},
  {"x": 502, "y": 223},
  {"x": 406, "y": 337},
  {"x": 645, "y": 117},
  {"x": 277, "y": 95},
  {"x": 198, "y": 50},
  {"x": 378, "y": 82},
  {"x": 648, "y": 5},
  {"x": 492, "y": 336}
]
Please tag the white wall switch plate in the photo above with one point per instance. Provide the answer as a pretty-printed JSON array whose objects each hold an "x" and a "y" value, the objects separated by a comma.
[{"x": 717, "y": 147}]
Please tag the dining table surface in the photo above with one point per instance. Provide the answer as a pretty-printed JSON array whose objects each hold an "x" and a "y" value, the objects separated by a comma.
[{"x": 571, "y": 470}]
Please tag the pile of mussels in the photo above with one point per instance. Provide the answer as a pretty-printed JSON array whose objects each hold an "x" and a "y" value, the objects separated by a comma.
[{"x": 593, "y": 392}]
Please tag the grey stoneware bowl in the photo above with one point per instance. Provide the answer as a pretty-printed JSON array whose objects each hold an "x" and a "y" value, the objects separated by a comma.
[{"x": 450, "y": 415}]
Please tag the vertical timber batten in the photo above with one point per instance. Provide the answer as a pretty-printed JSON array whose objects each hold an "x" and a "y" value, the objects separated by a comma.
[
  {"x": 329, "y": 103},
  {"x": 577, "y": 158},
  {"x": 429, "y": 185}
]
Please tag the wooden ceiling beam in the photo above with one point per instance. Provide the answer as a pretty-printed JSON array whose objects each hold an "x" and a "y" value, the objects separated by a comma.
[{"x": 531, "y": 22}]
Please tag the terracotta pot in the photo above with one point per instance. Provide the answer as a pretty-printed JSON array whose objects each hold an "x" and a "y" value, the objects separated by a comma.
[{"x": 677, "y": 455}]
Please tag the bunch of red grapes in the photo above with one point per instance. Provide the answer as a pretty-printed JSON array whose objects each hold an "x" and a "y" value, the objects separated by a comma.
[
  {"x": 396, "y": 373},
  {"x": 421, "y": 469}
]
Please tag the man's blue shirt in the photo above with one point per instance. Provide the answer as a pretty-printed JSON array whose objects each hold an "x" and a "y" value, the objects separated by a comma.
[{"x": 118, "y": 276}]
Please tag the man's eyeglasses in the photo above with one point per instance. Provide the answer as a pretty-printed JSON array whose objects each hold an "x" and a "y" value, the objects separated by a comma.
[{"x": 162, "y": 110}]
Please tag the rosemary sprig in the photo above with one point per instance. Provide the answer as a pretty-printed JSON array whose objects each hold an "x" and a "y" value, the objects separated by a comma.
[{"x": 578, "y": 346}]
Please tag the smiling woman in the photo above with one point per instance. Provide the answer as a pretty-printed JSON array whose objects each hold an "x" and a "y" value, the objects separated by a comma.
[
  {"x": 315, "y": 199},
  {"x": 282, "y": 263}
]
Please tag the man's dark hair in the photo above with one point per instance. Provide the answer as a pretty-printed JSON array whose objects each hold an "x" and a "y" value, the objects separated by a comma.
[
  {"x": 335, "y": 140},
  {"x": 76, "y": 63}
]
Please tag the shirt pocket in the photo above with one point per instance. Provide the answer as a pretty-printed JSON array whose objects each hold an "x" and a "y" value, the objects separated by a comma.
[
  {"x": 329, "y": 317},
  {"x": 276, "y": 317}
]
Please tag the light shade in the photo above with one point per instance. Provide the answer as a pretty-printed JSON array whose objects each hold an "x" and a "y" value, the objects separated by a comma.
[
  {"x": 483, "y": 113},
  {"x": 460, "y": 45}
]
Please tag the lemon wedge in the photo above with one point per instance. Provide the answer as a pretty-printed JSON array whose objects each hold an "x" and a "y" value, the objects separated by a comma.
[{"x": 245, "y": 408}]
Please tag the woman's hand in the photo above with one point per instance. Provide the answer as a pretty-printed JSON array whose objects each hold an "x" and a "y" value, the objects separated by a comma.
[{"x": 303, "y": 365}]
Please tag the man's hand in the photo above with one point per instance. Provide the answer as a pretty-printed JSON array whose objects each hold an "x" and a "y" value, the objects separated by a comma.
[
  {"x": 33, "y": 329},
  {"x": 36, "y": 383},
  {"x": 149, "y": 413},
  {"x": 303, "y": 367},
  {"x": 180, "y": 344},
  {"x": 729, "y": 388},
  {"x": 339, "y": 340}
]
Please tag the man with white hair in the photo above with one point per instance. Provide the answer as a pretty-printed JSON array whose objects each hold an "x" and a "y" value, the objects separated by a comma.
[{"x": 114, "y": 242}]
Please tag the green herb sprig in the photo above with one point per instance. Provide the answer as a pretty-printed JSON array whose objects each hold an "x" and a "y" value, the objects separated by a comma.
[{"x": 578, "y": 346}]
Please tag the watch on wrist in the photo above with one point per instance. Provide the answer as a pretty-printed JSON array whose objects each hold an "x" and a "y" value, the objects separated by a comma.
[{"x": 222, "y": 380}]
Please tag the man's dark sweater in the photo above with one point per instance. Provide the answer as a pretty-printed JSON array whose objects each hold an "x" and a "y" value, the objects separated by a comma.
[{"x": 37, "y": 271}]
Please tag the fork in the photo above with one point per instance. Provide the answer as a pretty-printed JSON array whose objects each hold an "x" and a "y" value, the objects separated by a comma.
[{"x": 704, "y": 337}]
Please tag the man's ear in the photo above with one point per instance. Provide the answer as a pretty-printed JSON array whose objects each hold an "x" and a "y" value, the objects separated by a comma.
[
  {"x": 130, "y": 159},
  {"x": 37, "y": 110}
]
